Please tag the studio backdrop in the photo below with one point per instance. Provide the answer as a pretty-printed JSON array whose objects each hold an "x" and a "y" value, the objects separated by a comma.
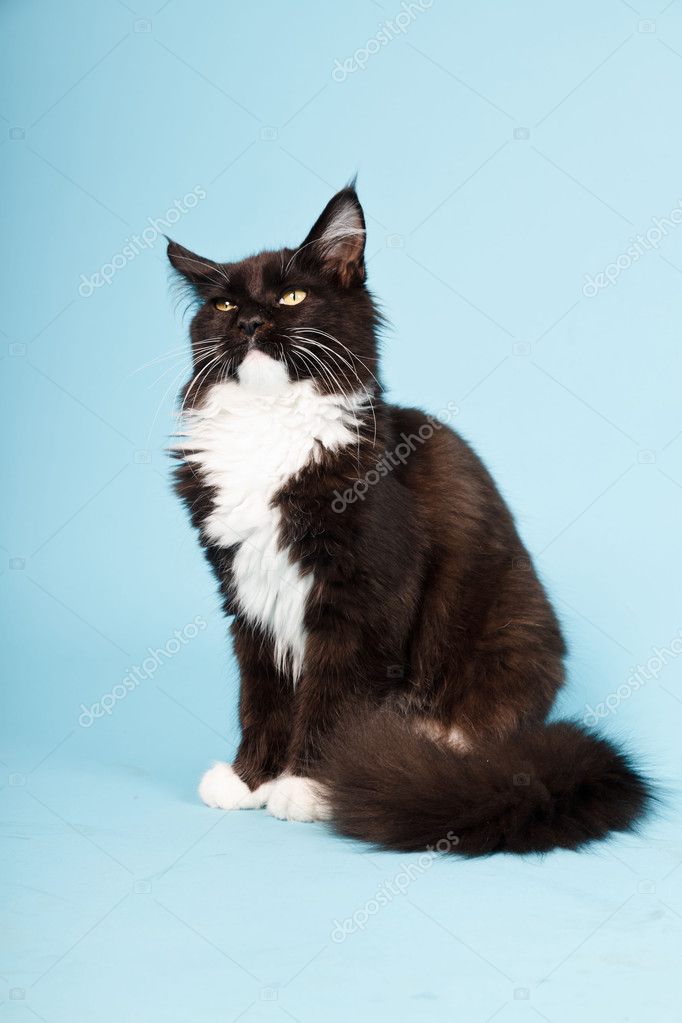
[{"x": 519, "y": 168}]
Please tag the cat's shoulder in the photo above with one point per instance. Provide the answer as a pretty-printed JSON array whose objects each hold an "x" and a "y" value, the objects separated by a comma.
[{"x": 425, "y": 424}]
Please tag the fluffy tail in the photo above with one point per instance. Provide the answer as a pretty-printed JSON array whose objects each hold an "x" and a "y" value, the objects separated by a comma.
[{"x": 551, "y": 786}]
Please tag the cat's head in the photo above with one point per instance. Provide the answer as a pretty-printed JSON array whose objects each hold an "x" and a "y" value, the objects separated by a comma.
[{"x": 278, "y": 317}]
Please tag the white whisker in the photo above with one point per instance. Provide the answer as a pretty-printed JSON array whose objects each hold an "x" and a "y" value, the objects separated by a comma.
[
  {"x": 323, "y": 333},
  {"x": 335, "y": 355},
  {"x": 173, "y": 353},
  {"x": 182, "y": 372},
  {"x": 194, "y": 383},
  {"x": 336, "y": 383}
]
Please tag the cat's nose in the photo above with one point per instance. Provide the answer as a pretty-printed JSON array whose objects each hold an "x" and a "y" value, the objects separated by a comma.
[{"x": 250, "y": 324}]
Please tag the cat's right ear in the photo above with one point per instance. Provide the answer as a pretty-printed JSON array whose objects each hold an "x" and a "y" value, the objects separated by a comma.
[{"x": 195, "y": 269}]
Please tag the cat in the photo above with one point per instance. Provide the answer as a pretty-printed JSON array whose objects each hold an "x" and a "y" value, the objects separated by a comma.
[{"x": 398, "y": 654}]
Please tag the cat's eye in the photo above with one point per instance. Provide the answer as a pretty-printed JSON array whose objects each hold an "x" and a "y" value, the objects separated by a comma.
[
  {"x": 293, "y": 297},
  {"x": 223, "y": 305}
]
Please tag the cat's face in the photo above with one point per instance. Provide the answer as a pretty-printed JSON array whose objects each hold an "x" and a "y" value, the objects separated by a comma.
[{"x": 280, "y": 317}]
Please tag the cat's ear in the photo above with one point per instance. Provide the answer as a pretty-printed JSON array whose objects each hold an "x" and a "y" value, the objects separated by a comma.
[
  {"x": 337, "y": 239},
  {"x": 195, "y": 269}
]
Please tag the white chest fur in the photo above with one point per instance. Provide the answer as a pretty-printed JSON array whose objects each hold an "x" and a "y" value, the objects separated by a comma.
[{"x": 247, "y": 441}]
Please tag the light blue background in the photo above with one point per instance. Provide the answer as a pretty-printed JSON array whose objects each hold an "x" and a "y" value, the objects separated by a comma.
[{"x": 504, "y": 151}]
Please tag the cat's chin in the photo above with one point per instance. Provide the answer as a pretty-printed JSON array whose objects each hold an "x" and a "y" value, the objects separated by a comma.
[{"x": 261, "y": 374}]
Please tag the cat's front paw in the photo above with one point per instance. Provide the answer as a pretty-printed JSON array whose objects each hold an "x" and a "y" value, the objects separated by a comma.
[
  {"x": 297, "y": 799},
  {"x": 222, "y": 788}
]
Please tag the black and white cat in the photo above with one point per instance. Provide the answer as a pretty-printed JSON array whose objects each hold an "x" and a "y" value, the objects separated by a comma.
[{"x": 397, "y": 652}]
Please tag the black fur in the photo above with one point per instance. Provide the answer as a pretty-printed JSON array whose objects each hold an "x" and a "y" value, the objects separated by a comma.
[
  {"x": 543, "y": 787},
  {"x": 425, "y": 617}
]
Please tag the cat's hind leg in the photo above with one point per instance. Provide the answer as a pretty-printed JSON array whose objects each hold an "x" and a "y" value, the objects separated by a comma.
[
  {"x": 294, "y": 798},
  {"x": 449, "y": 735}
]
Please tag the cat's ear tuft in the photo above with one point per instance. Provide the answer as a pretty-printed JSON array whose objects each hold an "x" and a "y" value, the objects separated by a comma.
[
  {"x": 337, "y": 239},
  {"x": 193, "y": 268}
]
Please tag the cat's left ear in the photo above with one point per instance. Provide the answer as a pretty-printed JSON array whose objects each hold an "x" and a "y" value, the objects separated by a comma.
[{"x": 337, "y": 239}]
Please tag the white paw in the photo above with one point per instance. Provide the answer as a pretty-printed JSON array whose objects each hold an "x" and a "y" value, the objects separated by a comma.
[
  {"x": 297, "y": 799},
  {"x": 222, "y": 787}
]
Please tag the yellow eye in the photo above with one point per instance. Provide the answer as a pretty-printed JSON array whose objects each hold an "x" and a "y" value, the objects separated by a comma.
[
  {"x": 223, "y": 305},
  {"x": 293, "y": 297}
]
